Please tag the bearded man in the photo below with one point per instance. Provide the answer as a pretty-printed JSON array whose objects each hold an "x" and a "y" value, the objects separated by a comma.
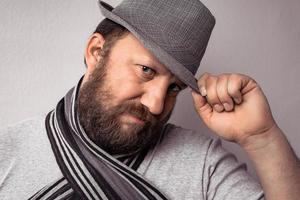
[{"x": 108, "y": 138}]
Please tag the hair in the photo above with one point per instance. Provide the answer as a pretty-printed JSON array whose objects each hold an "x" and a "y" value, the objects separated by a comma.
[{"x": 111, "y": 32}]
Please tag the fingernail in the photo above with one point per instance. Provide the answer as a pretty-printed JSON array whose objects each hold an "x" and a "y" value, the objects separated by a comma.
[
  {"x": 203, "y": 91},
  {"x": 237, "y": 100},
  {"x": 227, "y": 106},
  {"x": 218, "y": 107}
]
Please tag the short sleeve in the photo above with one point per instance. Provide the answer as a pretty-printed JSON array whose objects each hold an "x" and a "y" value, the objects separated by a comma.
[{"x": 224, "y": 178}]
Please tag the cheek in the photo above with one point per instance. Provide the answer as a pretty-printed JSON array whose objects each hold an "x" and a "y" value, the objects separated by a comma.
[{"x": 125, "y": 86}]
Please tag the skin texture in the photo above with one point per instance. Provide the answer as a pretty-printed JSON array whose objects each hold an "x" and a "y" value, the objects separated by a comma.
[
  {"x": 242, "y": 115},
  {"x": 119, "y": 104}
]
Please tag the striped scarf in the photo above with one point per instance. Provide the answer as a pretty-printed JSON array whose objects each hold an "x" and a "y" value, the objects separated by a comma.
[{"x": 88, "y": 171}]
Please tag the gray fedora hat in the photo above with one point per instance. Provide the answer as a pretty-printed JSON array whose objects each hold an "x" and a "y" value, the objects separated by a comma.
[{"x": 176, "y": 32}]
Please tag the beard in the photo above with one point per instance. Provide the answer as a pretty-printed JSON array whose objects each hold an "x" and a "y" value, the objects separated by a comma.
[{"x": 101, "y": 121}]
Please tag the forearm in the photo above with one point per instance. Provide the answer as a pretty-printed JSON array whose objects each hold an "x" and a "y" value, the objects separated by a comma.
[{"x": 277, "y": 167}]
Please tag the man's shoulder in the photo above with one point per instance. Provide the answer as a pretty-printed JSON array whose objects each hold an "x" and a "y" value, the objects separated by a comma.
[
  {"x": 183, "y": 135},
  {"x": 22, "y": 131},
  {"x": 185, "y": 141},
  {"x": 25, "y": 136},
  {"x": 27, "y": 123},
  {"x": 26, "y": 158}
]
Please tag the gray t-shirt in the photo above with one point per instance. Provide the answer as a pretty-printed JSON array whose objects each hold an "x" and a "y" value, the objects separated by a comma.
[{"x": 186, "y": 165}]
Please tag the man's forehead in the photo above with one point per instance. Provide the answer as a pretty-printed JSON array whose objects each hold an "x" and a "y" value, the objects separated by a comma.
[{"x": 143, "y": 53}]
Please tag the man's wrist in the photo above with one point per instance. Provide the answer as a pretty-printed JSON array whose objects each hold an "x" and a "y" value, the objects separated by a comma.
[
  {"x": 263, "y": 141},
  {"x": 275, "y": 164}
]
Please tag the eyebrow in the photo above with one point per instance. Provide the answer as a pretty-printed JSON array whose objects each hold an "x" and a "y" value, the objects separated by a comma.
[{"x": 147, "y": 60}]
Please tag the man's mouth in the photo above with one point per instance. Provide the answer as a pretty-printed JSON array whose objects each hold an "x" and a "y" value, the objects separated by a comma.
[{"x": 130, "y": 118}]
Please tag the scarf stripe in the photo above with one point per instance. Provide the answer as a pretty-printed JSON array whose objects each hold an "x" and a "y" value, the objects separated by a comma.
[
  {"x": 88, "y": 171},
  {"x": 128, "y": 173},
  {"x": 61, "y": 190},
  {"x": 69, "y": 161},
  {"x": 76, "y": 167},
  {"x": 51, "y": 187}
]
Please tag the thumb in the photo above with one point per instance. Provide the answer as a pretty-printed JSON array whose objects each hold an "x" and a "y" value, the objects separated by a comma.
[{"x": 201, "y": 105}]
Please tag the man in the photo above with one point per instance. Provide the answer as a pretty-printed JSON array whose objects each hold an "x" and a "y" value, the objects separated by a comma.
[{"x": 108, "y": 137}]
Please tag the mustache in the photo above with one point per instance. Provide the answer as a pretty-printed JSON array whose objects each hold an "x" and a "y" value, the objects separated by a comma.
[{"x": 138, "y": 110}]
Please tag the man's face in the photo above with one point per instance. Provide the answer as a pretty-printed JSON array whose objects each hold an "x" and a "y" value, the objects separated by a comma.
[{"x": 127, "y": 98}]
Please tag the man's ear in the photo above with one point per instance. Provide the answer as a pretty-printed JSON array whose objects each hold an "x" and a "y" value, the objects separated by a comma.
[{"x": 92, "y": 51}]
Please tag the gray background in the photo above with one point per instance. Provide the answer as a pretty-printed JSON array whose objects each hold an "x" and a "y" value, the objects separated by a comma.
[{"x": 42, "y": 44}]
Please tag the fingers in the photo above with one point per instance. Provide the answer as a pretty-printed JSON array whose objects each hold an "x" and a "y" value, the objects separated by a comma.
[
  {"x": 201, "y": 104},
  {"x": 235, "y": 84},
  {"x": 212, "y": 94},
  {"x": 222, "y": 92}
]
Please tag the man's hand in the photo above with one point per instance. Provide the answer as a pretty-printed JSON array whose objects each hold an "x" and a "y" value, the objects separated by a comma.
[
  {"x": 247, "y": 120},
  {"x": 233, "y": 106}
]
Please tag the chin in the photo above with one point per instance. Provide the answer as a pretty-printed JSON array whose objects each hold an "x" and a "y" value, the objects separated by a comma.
[{"x": 130, "y": 128}]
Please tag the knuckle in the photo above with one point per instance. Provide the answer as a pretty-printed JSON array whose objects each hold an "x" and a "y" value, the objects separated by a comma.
[
  {"x": 224, "y": 75},
  {"x": 225, "y": 98},
  {"x": 253, "y": 81},
  {"x": 211, "y": 77},
  {"x": 199, "y": 82},
  {"x": 222, "y": 86},
  {"x": 233, "y": 89},
  {"x": 204, "y": 75},
  {"x": 222, "y": 91},
  {"x": 211, "y": 82},
  {"x": 203, "y": 79},
  {"x": 234, "y": 77},
  {"x": 212, "y": 98},
  {"x": 207, "y": 74},
  {"x": 222, "y": 82}
]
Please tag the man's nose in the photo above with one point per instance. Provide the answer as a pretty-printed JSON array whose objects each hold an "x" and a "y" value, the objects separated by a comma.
[{"x": 154, "y": 100}]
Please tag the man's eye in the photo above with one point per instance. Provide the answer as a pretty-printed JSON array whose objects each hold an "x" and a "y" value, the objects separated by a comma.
[
  {"x": 147, "y": 71},
  {"x": 174, "y": 88}
]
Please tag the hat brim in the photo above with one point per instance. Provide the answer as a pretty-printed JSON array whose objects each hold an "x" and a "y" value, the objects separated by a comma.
[{"x": 171, "y": 63}]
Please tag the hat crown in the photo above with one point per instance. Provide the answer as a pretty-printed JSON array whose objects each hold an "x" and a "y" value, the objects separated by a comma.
[{"x": 180, "y": 27}]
